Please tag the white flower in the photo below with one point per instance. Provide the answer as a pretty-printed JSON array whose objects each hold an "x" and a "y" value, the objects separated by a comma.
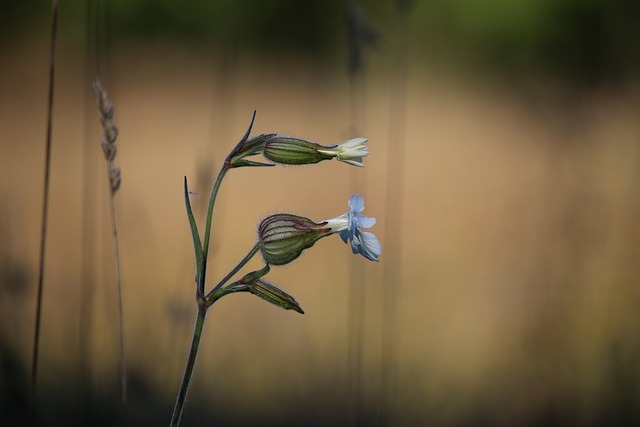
[{"x": 350, "y": 152}]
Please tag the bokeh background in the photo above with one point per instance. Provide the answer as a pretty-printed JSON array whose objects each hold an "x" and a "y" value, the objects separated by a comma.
[{"x": 504, "y": 173}]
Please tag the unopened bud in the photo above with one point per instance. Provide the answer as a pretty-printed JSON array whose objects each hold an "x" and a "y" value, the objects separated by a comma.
[
  {"x": 289, "y": 150},
  {"x": 275, "y": 295}
]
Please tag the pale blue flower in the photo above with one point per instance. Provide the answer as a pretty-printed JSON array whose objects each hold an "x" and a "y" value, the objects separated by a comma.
[{"x": 349, "y": 227}]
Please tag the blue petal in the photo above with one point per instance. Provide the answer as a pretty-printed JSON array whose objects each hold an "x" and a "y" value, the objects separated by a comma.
[
  {"x": 367, "y": 245},
  {"x": 365, "y": 222},
  {"x": 363, "y": 243},
  {"x": 371, "y": 247},
  {"x": 356, "y": 203},
  {"x": 356, "y": 246}
]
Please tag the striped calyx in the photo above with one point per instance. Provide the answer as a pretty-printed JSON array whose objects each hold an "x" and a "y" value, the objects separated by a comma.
[{"x": 283, "y": 237}]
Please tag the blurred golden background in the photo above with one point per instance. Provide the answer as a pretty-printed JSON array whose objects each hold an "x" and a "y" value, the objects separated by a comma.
[{"x": 516, "y": 240}]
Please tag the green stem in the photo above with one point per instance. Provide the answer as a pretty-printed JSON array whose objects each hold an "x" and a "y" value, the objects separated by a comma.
[
  {"x": 237, "y": 268},
  {"x": 207, "y": 231},
  {"x": 191, "y": 363},
  {"x": 203, "y": 306}
]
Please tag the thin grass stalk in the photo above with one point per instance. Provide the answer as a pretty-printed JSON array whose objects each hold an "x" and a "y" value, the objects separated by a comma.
[
  {"x": 116, "y": 252},
  {"x": 394, "y": 211},
  {"x": 360, "y": 34},
  {"x": 108, "y": 143},
  {"x": 88, "y": 262},
  {"x": 103, "y": 66},
  {"x": 45, "y": 209}
]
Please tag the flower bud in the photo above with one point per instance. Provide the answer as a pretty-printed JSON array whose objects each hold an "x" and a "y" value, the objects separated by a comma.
[
  {"x": 289, "y": 150},
  {"x": 274, "y": 295},
  {"x": 283, "y": 237}
]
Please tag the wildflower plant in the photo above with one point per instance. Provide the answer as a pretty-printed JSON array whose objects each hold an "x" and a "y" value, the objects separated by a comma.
[{"x": 281, "y": 237}]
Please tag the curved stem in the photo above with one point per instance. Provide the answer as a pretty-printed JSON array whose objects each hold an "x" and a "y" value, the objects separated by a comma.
[
  {"x": 191, "y": 363},
  {"x": 45, "y": 210},
  {"x": 123, "y": 364},
  {"x": 207, "y": 230},
  {"x": 237, "y": 268}
]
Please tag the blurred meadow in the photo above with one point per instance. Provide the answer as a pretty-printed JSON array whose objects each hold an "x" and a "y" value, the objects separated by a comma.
[{"x": 504, "y": 143}]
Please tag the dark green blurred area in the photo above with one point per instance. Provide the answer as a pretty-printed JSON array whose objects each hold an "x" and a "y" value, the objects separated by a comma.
[{"x": 582, "y": 41}]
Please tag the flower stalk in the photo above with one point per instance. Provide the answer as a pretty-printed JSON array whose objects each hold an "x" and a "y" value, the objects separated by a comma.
[
  {"x": 207, "y": 235},
  {"x": 191, "y": 363},
  {"x": 106, "y": 111}
]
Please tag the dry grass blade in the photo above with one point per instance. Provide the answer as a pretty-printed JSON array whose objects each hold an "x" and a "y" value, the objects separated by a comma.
[
  {"x": 108, "y": 143},
  {"x": 45, "y": 208}
]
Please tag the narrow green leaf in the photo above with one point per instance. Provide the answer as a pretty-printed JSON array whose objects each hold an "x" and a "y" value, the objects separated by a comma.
[
  {"x": 254, "y": 276},
  {"x": 195, "y": 235},
  {"x": 219, "y": 293},
  {"x": 244, "y": 163}
]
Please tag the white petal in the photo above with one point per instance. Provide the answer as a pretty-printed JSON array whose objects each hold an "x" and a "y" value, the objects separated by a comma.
[
  {"x": 354, "y": 142},
  {"x": 338, "y": 224},
  {"x": 354, "y": 161}
]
